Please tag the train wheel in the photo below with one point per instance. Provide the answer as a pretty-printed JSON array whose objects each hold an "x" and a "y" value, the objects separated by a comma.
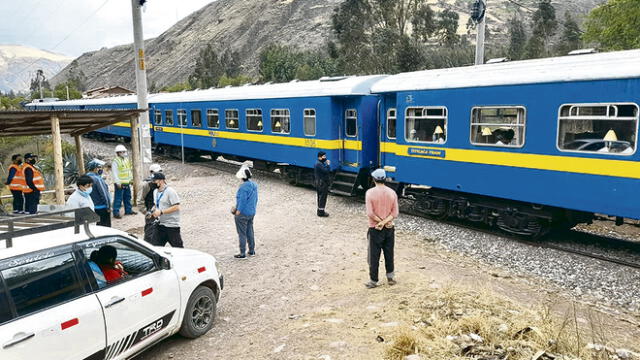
[
  {"x": 435, "y": 208},
  {"x": 521, "y": 224}
]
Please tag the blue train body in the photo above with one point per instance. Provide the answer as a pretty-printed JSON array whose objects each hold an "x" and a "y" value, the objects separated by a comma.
[{"x": 523, "y": 145}]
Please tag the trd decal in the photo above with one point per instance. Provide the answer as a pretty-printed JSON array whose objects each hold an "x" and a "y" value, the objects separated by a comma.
[{"x": 141, "y": 334}]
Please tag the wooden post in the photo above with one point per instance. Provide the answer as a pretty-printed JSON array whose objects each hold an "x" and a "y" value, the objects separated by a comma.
[
  {"x": 57, "y": 159},
  {"x": 136, "y": 160},
  {"x": 79, "y": 155}
]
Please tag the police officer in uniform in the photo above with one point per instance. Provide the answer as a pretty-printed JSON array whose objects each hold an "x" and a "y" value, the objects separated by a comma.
[
  {"x": 16, "y": 183},
  {"x": 122, "y": 171},
  {"x": 34, "y": 183},
  {"x": 322, "y": 173}
]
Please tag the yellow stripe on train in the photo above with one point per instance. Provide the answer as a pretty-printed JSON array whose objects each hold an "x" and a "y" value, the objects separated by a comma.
[{"x": 591, "y": 166}]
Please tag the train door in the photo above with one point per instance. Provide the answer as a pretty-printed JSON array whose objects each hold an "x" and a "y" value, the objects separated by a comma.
[
  {"x": 388, "y": 118},
  {"x": 351, "y": 135}
]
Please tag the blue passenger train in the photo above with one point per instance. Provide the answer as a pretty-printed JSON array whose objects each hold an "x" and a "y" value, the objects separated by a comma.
[{"x": 528, "y": 146}]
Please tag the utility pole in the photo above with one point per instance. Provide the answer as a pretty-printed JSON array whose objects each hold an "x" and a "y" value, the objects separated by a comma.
[
  {"x": 40, "y": 79},
  {"x": 144, "y": 130},
  {"x": 477, "y": 14}
]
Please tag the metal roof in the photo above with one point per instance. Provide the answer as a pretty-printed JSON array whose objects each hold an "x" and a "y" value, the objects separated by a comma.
[
  {"x": 603, "y": 66},
  {"x": 73, "y": 122}
]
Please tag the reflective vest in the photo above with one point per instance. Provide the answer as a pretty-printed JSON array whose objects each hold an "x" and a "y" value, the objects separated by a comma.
[
  {"x": 125, "y": 170},
  {"x": 17, "y": 183},
  {"x": 38, "y": 180}
]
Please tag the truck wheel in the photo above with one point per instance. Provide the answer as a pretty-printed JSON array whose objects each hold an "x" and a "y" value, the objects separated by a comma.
[{"x": 200, "y": 313}]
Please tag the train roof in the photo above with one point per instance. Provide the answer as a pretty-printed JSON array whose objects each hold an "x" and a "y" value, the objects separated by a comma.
[
  {"x": 329, "y": 86},
  {"x": 603, "y": 66}
]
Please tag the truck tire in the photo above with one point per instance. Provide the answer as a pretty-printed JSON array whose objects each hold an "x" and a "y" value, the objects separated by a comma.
[{"x": 199, "y": 314}]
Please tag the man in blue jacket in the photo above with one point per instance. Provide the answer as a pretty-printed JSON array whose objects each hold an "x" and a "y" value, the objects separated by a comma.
[
  {"x": 244, "y": 211},
  {"x": 100, "y": 194}
]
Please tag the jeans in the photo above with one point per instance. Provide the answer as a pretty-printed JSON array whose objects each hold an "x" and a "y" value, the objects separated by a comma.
[
  {"x": 31, "y": 201},
  {"x": 18, "y": 201},
  {"x": 244, "y": 226},
  {"x": 380, "y": 241},
  {"x": 122, "y": 195},
  {"x": 105, "y": 217}
]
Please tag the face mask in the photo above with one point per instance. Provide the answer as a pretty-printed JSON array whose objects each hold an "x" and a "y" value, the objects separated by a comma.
[
  {"x": 19, "y": 162},
  {"x": 323, "y": 160},
  {"x": 100, "y": 172},
  {"x": 32, "y": 161},
  {"x": 87, "y": 191}
]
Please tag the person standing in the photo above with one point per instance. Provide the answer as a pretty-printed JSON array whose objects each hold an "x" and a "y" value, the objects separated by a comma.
[
  {"x": 122, "y": 171},
  {"x": 34, "y": 183},
  {"x": 245, "y": 211},
  {"x": 81, "y": 198},
  {"x": 100, "y": 194},
  {"x": 322, "y": 174},
  {"x": 16, "y": 183},
  {"x": 147, "y": 201},
  {"x": 167, "y": 210},
  {"x": 382, "y": 209}
]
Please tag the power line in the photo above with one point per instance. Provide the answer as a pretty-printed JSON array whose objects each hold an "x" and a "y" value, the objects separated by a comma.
[
  {"x": 66, "y": 37},
  {"x": 520, "y": 5}
]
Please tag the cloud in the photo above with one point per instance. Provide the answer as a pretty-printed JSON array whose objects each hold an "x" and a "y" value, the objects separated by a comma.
[{"x": 73, "y": 27}]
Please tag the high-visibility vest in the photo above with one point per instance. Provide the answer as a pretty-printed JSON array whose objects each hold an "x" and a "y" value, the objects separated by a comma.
[
  {"x": 17, "y": 183},
  {"x": 38, "y": 180},
  {"x": 125, "y": 170}
]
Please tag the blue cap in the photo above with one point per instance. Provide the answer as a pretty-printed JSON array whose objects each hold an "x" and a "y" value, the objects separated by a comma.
[{"x": 379, "y": 174}]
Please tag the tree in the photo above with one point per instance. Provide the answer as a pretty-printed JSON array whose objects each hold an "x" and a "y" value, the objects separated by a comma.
[
  {"x": 448, "y": 28},
  {"x": 571, "y": 36},
  {"x": 280, "y": 63},
  {"x": 211, "y": 66},
  {"x": 544, "y": 25},
  {"x": 517, "y": 38},
  {"x": 60, "y": 91},
  {"x": 614, "y": 25},
  {"x": 424, "y": 23}
]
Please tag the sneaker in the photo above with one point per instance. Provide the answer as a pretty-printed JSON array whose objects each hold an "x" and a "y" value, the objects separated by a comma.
[
  {"x": 240, "y": 256},
  {"x": 371, "y": 284},
  {"x": 323, "y": 214},
  {"x": 391, "y": 282},
  {"x": 117, "y": 216},
  {"x": 131, "y": 213},
  {"x": 252, "y": 253}
]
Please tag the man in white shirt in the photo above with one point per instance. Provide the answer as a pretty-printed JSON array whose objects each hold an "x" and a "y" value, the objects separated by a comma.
[{"x": 82, "y": 196}]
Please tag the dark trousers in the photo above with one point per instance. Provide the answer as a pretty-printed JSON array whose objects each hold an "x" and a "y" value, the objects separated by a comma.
[
  {"x": 149, "y": 229},
  {"x": 105, "y": 217},
  {"x": 380, "y": 241},
  {"x": 322, "y": 188},
  {"x": 164, "y": 235},
  {"x": 244, "y": 226},
  {"x": 31, "y": 201},
  {"x": 18, "y": 201},
  {"x": 122, "y": 195}
]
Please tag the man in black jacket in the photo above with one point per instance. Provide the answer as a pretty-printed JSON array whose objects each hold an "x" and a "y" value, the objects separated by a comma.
[{"x": 322, "y": 172}]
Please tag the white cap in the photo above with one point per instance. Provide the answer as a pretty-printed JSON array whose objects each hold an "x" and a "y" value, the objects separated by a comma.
[
  {"x": 121, "y": 148},
  {"x": 155, "y": 168},
  {"x": 379, "y": 174},
  {"x": 244, "y": 172}
]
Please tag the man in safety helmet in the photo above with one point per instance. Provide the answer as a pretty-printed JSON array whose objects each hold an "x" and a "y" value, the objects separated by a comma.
[
  {"x": 15, "y": 182},
  {"x": 122, "y": 171},
  {"x": 34, "y": 183}
]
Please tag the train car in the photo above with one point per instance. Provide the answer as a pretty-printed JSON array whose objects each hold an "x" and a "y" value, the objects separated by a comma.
[
  {"x": 277, "y": 126},
  {"x": 120, "y": 131},
  {"x": 527, "y": 146}
]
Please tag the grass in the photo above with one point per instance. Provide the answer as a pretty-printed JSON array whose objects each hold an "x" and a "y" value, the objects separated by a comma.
[{"x": 461, "y": 324}]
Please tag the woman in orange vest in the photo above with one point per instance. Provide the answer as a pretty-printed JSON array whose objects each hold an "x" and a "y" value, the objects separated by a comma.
[
  {"x": 16, "y": 183},
  {"x": 34, "y": 184}
]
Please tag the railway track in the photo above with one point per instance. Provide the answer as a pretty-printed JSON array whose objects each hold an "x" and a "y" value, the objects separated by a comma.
[{"x": 572, "y": 238}]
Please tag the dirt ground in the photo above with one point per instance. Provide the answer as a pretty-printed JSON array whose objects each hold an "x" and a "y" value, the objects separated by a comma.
[{"x": 303, "y": 295}]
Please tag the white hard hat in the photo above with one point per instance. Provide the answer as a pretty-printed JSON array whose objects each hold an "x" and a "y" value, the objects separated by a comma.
[
  {"x": 155, "y": 168},
  {"x": 121, "y": 148}
]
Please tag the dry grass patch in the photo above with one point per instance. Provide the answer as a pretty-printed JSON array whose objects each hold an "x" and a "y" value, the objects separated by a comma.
[{"x": 465, "y": 324}]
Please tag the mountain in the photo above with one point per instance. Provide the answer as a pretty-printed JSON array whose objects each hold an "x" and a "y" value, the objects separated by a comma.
[
  {"x": 18, "y": 65},
  {"x": 249, "y": 25}
]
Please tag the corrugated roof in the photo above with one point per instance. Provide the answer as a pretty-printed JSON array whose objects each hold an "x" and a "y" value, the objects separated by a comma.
[{"x": 612, "y": 65}]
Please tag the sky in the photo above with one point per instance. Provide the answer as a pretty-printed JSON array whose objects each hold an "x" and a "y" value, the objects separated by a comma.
[{"x": 72, "y": 27}]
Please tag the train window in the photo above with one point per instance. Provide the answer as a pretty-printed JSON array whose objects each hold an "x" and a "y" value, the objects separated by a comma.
[
  {"x": 598, "y": 128},
  {"x": 168, "y": 117},
  {"x": 213, "y": 118},
  {"x": 158, "y": 117},
  {"x": 391, "y": 123},
  {"x": 498, "y": 126},
  {"x": 231, "y": 119},
  {"x": 280, "y": 121},
  {"x": 426, "y": 124},
  {"x": 310, "y": 122},
  {"x": 254, "y": 119},
  {"x": 196, "y": 118},
  {"x": 351, "y": 122},
  {"x": 182, "y": 118}
]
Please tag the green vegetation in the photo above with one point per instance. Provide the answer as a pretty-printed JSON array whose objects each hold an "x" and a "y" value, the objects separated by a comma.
[
  {"x": 280, "y": 63},
  {"x": 212, "y": 66},
  {"x": 614, "y": 25},
  {"x": 11, "y": 101}
]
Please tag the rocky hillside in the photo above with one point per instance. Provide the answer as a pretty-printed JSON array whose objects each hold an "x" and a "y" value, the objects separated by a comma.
[
  {"x": 18, "y": 65},
  {"x": 248, "y": 26}
]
